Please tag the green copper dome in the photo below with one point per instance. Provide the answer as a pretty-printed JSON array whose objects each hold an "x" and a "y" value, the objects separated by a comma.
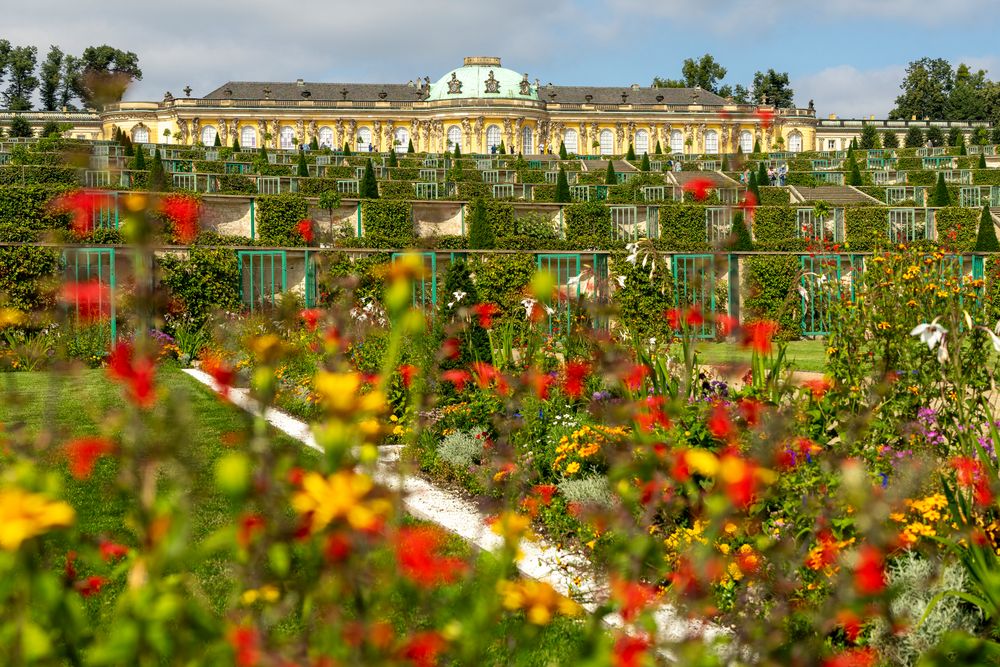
[{"x": 484, "y": 78}]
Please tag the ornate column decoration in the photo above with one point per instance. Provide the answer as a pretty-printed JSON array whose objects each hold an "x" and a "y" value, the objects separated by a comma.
[
  {"x": 276, "y": 132},
  {"x": 223, "y": 131},
  {"x": 234, "y": 131},
  {"x": 339, "y": 129},
  {"x": 415, "y": 133},
  {"x": 467, "y": 134},
  {"x": 389, "y": 134},
  {"x": 352, "y": 131},
  {"x": 544, "y": 128},
  {"x": 630, "y": 132},
  {"x": 619, "y": 137},
  {"x": 195, "y": 130},
  {"x": 376, "y": 134},
  {"x": 261, "y": 131},
  {"x": 182, "y": 130},
  {"x": 300, "y": 131},
  {"x": 508, "y": 132},
  {"x": 584, "y": 146},
  {"x": 313, "y": 130},
  {"x": 480, "y": 140}
]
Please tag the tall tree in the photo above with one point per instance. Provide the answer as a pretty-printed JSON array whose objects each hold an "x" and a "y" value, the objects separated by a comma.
[
  {"x": 105, "y": 74},
  {"x": 926, "y": 89},
  {"x": 67, "y": 87},
  {"x": 22, "y": 80},
  {"x": 967, "y": 100},
  {"x": 890, "y": 139},
  {"x": 5, "y": 50},
  {"x": 869, "y": 137},
  {"x": 368, "y": 188},
  {"x": 739, "y": 93},
  {"x": 51, "y": 76},
  {"x": 914, "y": 137},
  {"x": 935, "y": 136},
  {"x": 562, "y": 188},
  {"x": 774, "y": 87},
  {"x": 704, "y": 73}
]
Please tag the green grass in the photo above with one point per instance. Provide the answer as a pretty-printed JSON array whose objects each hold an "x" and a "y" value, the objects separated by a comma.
[{"x": 804, "y": 355}]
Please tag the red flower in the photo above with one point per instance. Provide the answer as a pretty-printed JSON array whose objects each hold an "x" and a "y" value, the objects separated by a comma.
[
  {"x": 545, "y": 492},
  {"x": 719, "y": 424},
  {"x": 451, "y": 348},
  {"x": 632, "y": 596},
  {"x": 457, "y": 377},
  {"x": 630, "y": 649},
  {"x": 855, "y": 657},
  {"x": 311, "y": 316},
  {"x": 851, "y": 623},
  {"x": 406, "y": 372},
  {"x": 576, "y": 372},
  {"x": 112, "y": 551},
  {"x": 244, "y": 641},
  {"x": 750, "y": 409},
  {"x": 183, "y": 212},
  {"x": 91, "y": 586},
  {"x": 652, "y": 414},
  {"x": 683, "y": 578},
  {"x": 699, "y": 187},
  {"x": 82, "y": 204},
  {"x": 136, "y": 373},
  {"x": 69, "y": 569},
  {"x": 541, "y": 382},
  {"x": 337, "y": 548},
  {"x": 305, "y": 230},
  {"x": 417, "y": 554},
  {"x": 635, "y": 375},
  {"x": 485, "y": 312},
  {"x": 91, "y": 300},
  {"x": 487, "y": 374},
  {"x": 748, "y": 204},
  {"x": 739, "y": 479},
  {"x": 766, "y": 117},
  {"x": 423, "y": 648},
  {"x": 694, "y": 317},
  {"x": 869, "y": 574},
  {"x": 726, "y": 323},
  {"x": 758, "y": 336},
  {"x": 818, "y": 387},
  {"x": 250, "y": 524},
  {"x": 970, "y": 475},
  {"x": 222, "y": 373},
  {"x": 83, "y": 453},
  {"x": 673, "y": 318}
]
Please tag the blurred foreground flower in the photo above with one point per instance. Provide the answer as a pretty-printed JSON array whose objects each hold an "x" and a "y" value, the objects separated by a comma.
[
  {"x": 341, "y": 496},
  {"x": 24, "y": 515},
  {"x": 537, "y": 598}
]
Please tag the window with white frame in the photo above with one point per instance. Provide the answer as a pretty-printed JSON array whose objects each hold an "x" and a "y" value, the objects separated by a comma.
[
  {"x": 570, "y": 140},
  {"x": 607, "y": 142},
  {"x": 712, "y": 142},
  {"x": 527, "y": 140},
  {"x": 248, "y": 137},
  {"x": 746, "y": 141},
  {"x": 140, "y": 135},
  {"x": 401, "y": 140},
  {"x": 208, "y": 134},
  {"x": 676, "y": 142},
  {"x": 492, "y": 137},
  {"x": 326, "y": 137},
  {"x": 641, "y": 142},
  {"x": 795, "y": 143},
  {"x": 286, "y": 138},
  {"x": 831, "y": 144},
  {"x": 364, "y": 138},
  {"x": 454, "y": 137}
]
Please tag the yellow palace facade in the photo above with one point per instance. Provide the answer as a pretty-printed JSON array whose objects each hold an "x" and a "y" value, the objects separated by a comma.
[{"x": 478, "y": 107}]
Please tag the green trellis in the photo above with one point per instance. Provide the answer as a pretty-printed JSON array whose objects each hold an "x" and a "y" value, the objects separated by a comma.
[
  {"x": 84, "y": 265},
  {"x": 562, "y": 267},
  {"x": 694, "y": 285},
  {"x": 263, "y": 277}
]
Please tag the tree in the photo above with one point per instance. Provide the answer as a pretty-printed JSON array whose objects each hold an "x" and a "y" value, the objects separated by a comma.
[
  {"x": 630, "y": 154},
  {"x": 644, "y": 165},
  {"x": 21, "y": 79},
  {"x": 458, "y": 151},
  {"x": 105, "y": 74},
  {"x": 67, "y": 87},
  {"x": 995, "y": 135},
  {"x": 19, "y": 128},
  {"x": 409, "y": 146},
  {"x": 503, "y": 149},
  {"x": 481, "y": 236},
  {"x": 393, "y": 160},
  {"x": 980, "y": 137},
  {"x": 955, "y": 137},
  {"x": 658, "y": 150},
  {"x": 935, "y": 136},
  {"x": 157, "y": 175},
  {"x": 51, "y": 77},
  {"x": 50, "y": 128},
  {"x": 140, "y": 159},
  {"x": 926, "y": 89},
  {"x": 741, "y": 239},
  {"x": 869, "y": 137},
  {"x": 986, "y": 239},
  {"x": 756, "y": 146},
  {"x": 738, "y": 93},
  {"x": 753, "y": 186},
  {"x": 773, "y": 87},
  {"x": 914, "y": 138},
  {"x": 703, "y": 73},
  {"x": 762, "y": 177},
  {"x": 368, "y": 188},
  {"x": 314, "y": 143},
  {"x": 303, "y": 167},
  {"x": 609, "y": 176},
  {"x": 347, "y": 148},
  {"x": 855, "y": 176},
  {"x": 236, "y": 142},
  {"x": 967, "y": 100},
  {"x": 982, "y": 161},
  {"x": 941, "y": 196},
  {"x": 890, "y": 139},
  {"x": 562, "y": 188},
  {"x": 562, "y": 151}
]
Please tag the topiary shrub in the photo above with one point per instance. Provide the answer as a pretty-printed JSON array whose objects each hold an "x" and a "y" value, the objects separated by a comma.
[
  {"x": 609, "y": 176},
  {"x": 562, "y": 193},
  {"x": 741, "y": 239},
  {"x": 587, "y": 223},
  {"x": 683, "y": 227},
  {"x": 941, "y": 196},
  {"x": 368, "y": 186},
  {"x": 866, "y": 228},
  {"x": 986, "y": 238},
  {"x": 770, "y": 292},
  {"x": 388, "y": 221},
  {"x": 481, "y": 233},
  {"x": 278, "y": 217}
]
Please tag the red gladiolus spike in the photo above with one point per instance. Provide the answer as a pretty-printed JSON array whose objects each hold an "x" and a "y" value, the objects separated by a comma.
[
  {"x": 82, "y": 204},
  {"x": 699, "y": 188},
  {"x": 631, "y": 650},
  {"x": 486, "y": 312},
  {"x": 680, "y": 471},
  {"x": 545, "y": 492},
  {"x": 407, "y": 372},
  {"x": 487, "y": 374},
  {"x": 310, "y": 317},
  {"x": 727, "y": 324},
  {"x": 719, "y": 424},
  {"x": 632, "y": 596},
  {"x": 634, "y": 376},
  {"x": 423, "y": 649},
  {"x": 245, "y": 645},
  {"x": 758, "y": 336},
  {"x": 457, "y": 377},
  {"x": 851, "y": 623},
  {"x": 135, "y": 373},
  {"x": 83, "y": 453},
  {"x": 451, "y": 348},
  {"x": 250, "y": 525},
  {"x": 694, "y": 317},
  {"x": 112, "y": 551},
  {"x": 183, "y": 212},
  {"x": 576, "y": 373},
  {"x": 673, "y": 318},
  {"x": 90, "y": 300},
  {"x": 869, "y": 574},
  {"x": 750, "y": 410},
  {"x": 305, "y": 230},
  {"x": 91, "y": 586},
  {"x": 540, "y": 382}
]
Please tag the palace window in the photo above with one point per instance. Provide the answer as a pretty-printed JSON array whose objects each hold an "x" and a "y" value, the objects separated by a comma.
[
  {"x": 364, "y": 138},
  {"x": 570, "y": 139},
  {"x": 208, "y": 135},
  {"x": 607, "y": 142},
  {"x": 286, "y": 138},
  {"x": 492, "y": 137},
  {"x": 527, "y": 140},
  {"x": 454, "y": 137},
  {"x": 248, "y": 137},
  {"x": 326, "y": 137},
  {"x": 140, "y": 135},
  {"x": 676, "y": 142},
  {"x": 401, "y": 140},
  {"x": 712, "y": 142},
  {"x": 746, "y": 141},
  {"x": 641, "y": 142},
  {"x": 795, "y": 143}
]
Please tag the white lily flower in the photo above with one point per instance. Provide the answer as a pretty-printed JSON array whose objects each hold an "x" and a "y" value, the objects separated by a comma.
[
  {"x": 803, "y": 292},
  {"x": 550, "y": 310},
  {"x": 932, "y": 333},
  {"x": 942, "y": 355},
  {"x": 995, "y": 339},
  {"x": 633, "y": 253},
  {"x": 968, "y": 318},
  {"x": 574, "y": 280},
  {"x": 621, "y": 281},
  {"x": 529, "y": 305},
  {"x": 459, "y": 295}
]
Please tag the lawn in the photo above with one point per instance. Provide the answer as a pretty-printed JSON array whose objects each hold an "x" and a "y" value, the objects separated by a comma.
[{"x": 804, "y": 355}]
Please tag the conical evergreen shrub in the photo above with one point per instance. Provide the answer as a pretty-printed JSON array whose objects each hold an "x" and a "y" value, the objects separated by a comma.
[
  {"x": 236, "y": 144},
  {"x": 562, "y": 151},
  {"x": 741, "y": 239},
  {"x": 218, "y": 140},
  {"x": 393, "y": 160},
  {"x": 982, "y": 161},
  {"x": 941, "y": 196},
  {"x": 303, "y": 169},
  {"x": 409, "y": 146},
  {"x": 630, "y": 155},
  {"x": 562, "y": 188},
  {"x": 368, "y": 187},
  {"x": 314, "y": 144},
  {"x": 644, "y": 166},
  {"x": 481, "y": 236},
  {"x": 986, "y": 239},
  {"x": 140, "y": 159},
  {"x": 609, "y": 177},
  {"x": 658, "y": 150},
  {"x": 347, "y": 148}
]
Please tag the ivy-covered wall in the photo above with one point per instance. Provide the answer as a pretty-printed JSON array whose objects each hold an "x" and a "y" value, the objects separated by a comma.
[
  {"x": 278, "y": 217},
  {"x": 387, "y": 220}
]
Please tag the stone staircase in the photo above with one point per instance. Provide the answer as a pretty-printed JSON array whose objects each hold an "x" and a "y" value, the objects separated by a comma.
[
  {"x": 719, "y": 179},
  {"x": 837, "y": 195}
]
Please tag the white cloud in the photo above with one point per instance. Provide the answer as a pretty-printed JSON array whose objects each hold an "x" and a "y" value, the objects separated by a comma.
[{"x": 849, "y": 92}]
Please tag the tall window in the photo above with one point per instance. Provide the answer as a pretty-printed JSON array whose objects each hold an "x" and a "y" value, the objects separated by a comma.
[
  {"x": 364, "y": 138},
  {"x": 140, "y": 135},
  {"x": 492, "y": 137},
  {"x": 570, "y": 139},
  {"x": 287, "y": 138},
  {"x": 248, "y": 137},
  {"x": 711, "y": 142},
  {"x": 795, "y": 143},
  {"x": 641, "y": 142},
  {"x": 454, "y": 137},
  {"x": 746, "y": 141},
  {"x": 326, "y": 137},
  {"x": 607, "y": 142},
  {"x": 208, "y": 134},
  {"x": 527, "y": 139},
  {"x": 401, "y": 139},
  {"x": 676, "y": 142}
]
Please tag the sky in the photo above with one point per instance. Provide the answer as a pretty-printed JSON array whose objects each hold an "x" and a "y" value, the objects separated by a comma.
[{"x": 848, "y": 55}]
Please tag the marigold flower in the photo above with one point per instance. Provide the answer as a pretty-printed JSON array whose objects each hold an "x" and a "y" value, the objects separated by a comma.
[
  {"x": 183, "y": 212},
  {"x": 818, "y": 388},
  {"x": 343, "y": 496},
  {"x": 486, "y": 312},
  {"x": 417, "y": 554},
  {"x": 136, "y": 373},
  {"x": 25, "y": 515},
  {"x": 537, "y": 598}
]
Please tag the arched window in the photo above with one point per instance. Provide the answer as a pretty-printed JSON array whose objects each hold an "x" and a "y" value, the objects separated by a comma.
[
  {"x": 364, "y": 138},
  {"x": 641, "y": 142},
  {"x": 607, "y": 142},
  {"x": 286, "y": 138},
  {"x": 492, "y": 137},
  {"x": 208, "y": 135},
  {"x": 326, "y": 137},
  {"x": 795, "y": 143},
  {"x": 401, "y": 140},
  {"x": 711, "y": 142},
  {"x": 676, "y": 142},
  {"x": 454, "y": 137},
  {"x": 570, "y": 139},
  {"x": 527, "y": 139},
  {"x": 746, "y": 141},
  {"x": 248, "y": 137},
  {"x": 140, "y": 135}
]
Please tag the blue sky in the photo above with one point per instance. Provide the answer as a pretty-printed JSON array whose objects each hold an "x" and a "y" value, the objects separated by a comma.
[{"x": 847, "y": 55}]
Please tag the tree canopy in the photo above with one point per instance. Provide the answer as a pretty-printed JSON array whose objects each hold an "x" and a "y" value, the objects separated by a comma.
[{"x": 772, "y": 87}]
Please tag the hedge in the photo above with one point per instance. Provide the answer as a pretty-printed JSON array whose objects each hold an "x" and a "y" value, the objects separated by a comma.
[
  {"x": 770, "y": 292},
  {"x": 774, "y": 196},
  {"x": 957, "y": 228},
  {"x": 922, "y": 177},
  {"x": 38, "y": 175},
  {"x": 587, "y": 222},
  {"x": 23, "y": 272},
  {"x": 501, "y": 279},
  {"x": 28, "y": 206},
  {"x": 909, "y": 164},
  {"x": 396, "y": 190},
  {"x": 500, "y": 215},
  {"x": 642, "y": 301},
  {"x": 683, "y": 227},
  {"x": 206, "y": 281},
  {"x": 866, "y": 227},
  {"x": 387, "y": 220},
  {"x": 773, "y": 224},
  {"x": 237, "y": 184},
  {"x": 986, "y": 176},
  {"x": 277, "y": 219}
]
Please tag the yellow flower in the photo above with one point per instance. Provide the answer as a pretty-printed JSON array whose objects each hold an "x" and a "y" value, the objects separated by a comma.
[
  {"x": 512, "y": 526},
  {"x": 702, "y": 462},
  {"x": 724, "y": 548},
  {"x": 340, "y": 496},
  {"x": 339, "y": 390},
  {"x": 730, "y": 528},
  {"x": 537, "y": 598},
  {"x": 573, "y": 468},
  {"x": 24, "y": 515},
  {"x": 266, "y": 348},
  {"x": 10, "y": 317}
]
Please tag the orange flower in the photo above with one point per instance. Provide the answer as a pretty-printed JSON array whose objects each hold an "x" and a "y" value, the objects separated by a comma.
[
  {"x": 245, "y": 644},
  {"x": 486, "y": 312},
  {"x": 417, "y": 554},
  {"x": 457, "y": 377},
  {"x": 758, "y": 336},
  {"x": 630, "y": 650},
  {"x": 818, "y": 387},
  {"x": 719, "y": 424},
  {"x": 83, "y": 453},
  {"x": 423, "y": 648},
  {"x": 310, "y": 317},
  {"x": 632, "y": 596},
  {"x": 136, "y": 373},
  {"x": 869, "y": 573},
  {"x": 576, "y": 372}
]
